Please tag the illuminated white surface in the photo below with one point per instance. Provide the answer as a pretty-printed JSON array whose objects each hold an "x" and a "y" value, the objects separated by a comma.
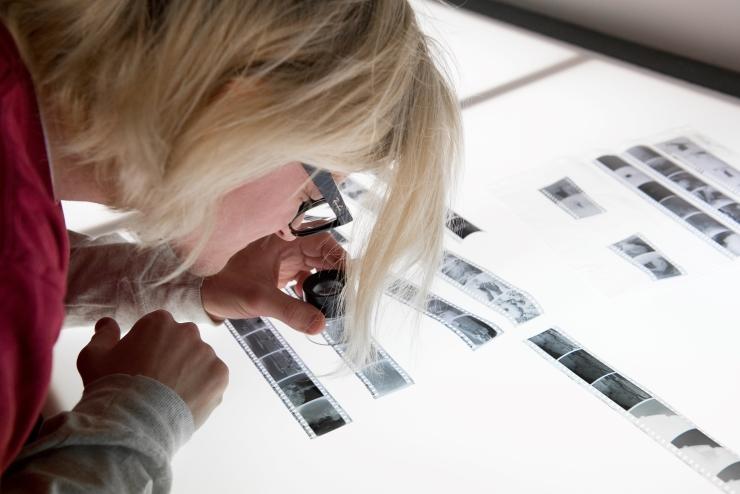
[{"x": 502, "y": 419}]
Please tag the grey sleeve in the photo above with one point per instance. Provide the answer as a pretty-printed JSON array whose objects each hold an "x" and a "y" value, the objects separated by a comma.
[
  {"x": 109, "y": 277},
  {"x": 119, "y": 438}
]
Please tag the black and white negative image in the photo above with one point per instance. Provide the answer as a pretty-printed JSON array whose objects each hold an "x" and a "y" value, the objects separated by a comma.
[
  {"x": 711, "y": 229},
  {"x": 517, "y": 306},
  {"x": 353, "y": 189},
  {"x": 474, "y": 331},
  {"x": 703, "y": 161},
  {"x": 661, "y": 420},
  {"x": 384, "y": 377},
  {"x": 321, "y": 416},
  {"x": 459, "y": 225},
  {"x": 704, "y": 451},
  {"x": 688, "y": 182},
  {"x": 621, "y": 391},
  {"x": 245, "y": 326},
  {"x": 640, "y": 253},
  {"x": 571, "y": 199},
  {"x": 731, "y": 475},
  {"x": 584, "y": 365},
  {"x": 553, "y": 343},
  {"x": 281, "y": 364},
  {"x": 300, "y": 389},
  {"x": 262, "y": 342}
]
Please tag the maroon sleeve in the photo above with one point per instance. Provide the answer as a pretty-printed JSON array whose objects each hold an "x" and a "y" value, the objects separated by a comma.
[{"x": 33, "y": 256}]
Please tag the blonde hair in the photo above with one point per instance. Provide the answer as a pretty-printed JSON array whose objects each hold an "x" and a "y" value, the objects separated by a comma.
[{"x": 175, "y": 100}]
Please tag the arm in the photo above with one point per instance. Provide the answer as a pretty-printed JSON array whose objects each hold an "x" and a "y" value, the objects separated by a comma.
[
  {"x": 138, "y": 407},
  {"x": 109, "y": 277},
  {"x": 119, "y": 438}
]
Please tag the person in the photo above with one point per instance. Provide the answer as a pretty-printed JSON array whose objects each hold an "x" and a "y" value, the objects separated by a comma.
[{"x": 199, "y": 116}]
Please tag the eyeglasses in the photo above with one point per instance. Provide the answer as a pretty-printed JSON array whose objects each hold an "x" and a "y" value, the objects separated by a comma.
[{"x": 319, "y": 215}]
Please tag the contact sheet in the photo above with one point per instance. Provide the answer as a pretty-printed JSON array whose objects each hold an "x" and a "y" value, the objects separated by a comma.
[
  {"x": 304, "y": 396},
  {"x": 473, "y": 330},
  {"x": 669, "y": 428}
]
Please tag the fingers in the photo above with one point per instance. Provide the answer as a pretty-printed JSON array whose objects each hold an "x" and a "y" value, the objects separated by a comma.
[
  {"x": 295, "y": 313},
  {"x": 322, "y": 252}
]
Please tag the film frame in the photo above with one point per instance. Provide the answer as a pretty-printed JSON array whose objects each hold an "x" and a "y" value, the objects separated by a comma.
[
  {"x": 672, "y": 430},
  {"x": 643, "y": 255},
  {"x": 569, "y": 197},
  {"x": 515, "y": 304},
  {"x": 720, "y": 236},
  {"x": 471, "y": 329},
  {"x": 318, "y": 413}
]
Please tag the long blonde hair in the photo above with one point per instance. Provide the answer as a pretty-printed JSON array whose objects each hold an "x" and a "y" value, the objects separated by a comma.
[{"x": 175, "y": 100}]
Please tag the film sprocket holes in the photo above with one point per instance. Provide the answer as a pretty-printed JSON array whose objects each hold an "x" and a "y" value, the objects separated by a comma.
[
  {"x": 642, "y": 254},
  {"x": 677, "y": 434},
  {"x": 473, "y": 330},
  {"x": 715, "y": 233},
  {"x": 571, "y": 199},
  {"x": 695, "y": 186},
  {"x": 304, "y": 396},
  {"x": 517, "y": 305},
  {"x": 703, "y": 161},
  {"x": 380, "y": 377}
]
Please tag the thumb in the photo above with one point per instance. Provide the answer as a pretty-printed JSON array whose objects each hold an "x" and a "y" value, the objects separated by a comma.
[
  {"x": 107, "y": 334},
  {"x": 297, "y": 314}
]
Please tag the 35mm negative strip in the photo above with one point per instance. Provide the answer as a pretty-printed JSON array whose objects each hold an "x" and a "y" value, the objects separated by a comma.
[
  {"x": 304, "y": 396},
  {"x": 698, "y": 188},
  {"x": 571, "y": 198},
  {"x": 672, "y": 430},
  {"x": 703, "y": 161},
  {"x": 714, "y": 232},
  {"x": 473, "y": 330},
  {"x": 647, "y": 258},
  {"x": 382, "y": 376},
  {"x": 489, "y": 289}
]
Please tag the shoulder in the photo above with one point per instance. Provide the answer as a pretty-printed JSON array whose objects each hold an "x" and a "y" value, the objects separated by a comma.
[{"x": 31, "y": 222}]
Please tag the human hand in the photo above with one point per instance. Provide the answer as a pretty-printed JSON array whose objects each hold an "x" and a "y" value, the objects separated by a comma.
[
  {"x": 249, "y": 285},
  {"x": 160, "y": 348}
]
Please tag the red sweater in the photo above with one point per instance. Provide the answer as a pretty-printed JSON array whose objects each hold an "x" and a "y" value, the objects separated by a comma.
[{"x": 33, "y": 256}]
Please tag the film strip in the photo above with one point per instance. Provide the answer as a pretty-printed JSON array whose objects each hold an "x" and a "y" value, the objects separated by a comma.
[
  {"x": 695, "y": 186},
  {"x": 304, "y": 396},
  {"x": 647, "y": 258},
  {"x": 715, "y": 233},
  {"x": 518, "y": 306},
  {"x": 703, "y": 161},
  {"x": 460, "y": 227},
  {"x": 680, "y": 436},
  {"x": 473, "y": 330},
  {"x": 382, "y": 376},
  {"x": 570, "y": 198}
]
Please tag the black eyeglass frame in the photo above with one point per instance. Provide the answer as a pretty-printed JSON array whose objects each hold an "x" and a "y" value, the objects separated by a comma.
[{"x": 329, "y": 195}]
